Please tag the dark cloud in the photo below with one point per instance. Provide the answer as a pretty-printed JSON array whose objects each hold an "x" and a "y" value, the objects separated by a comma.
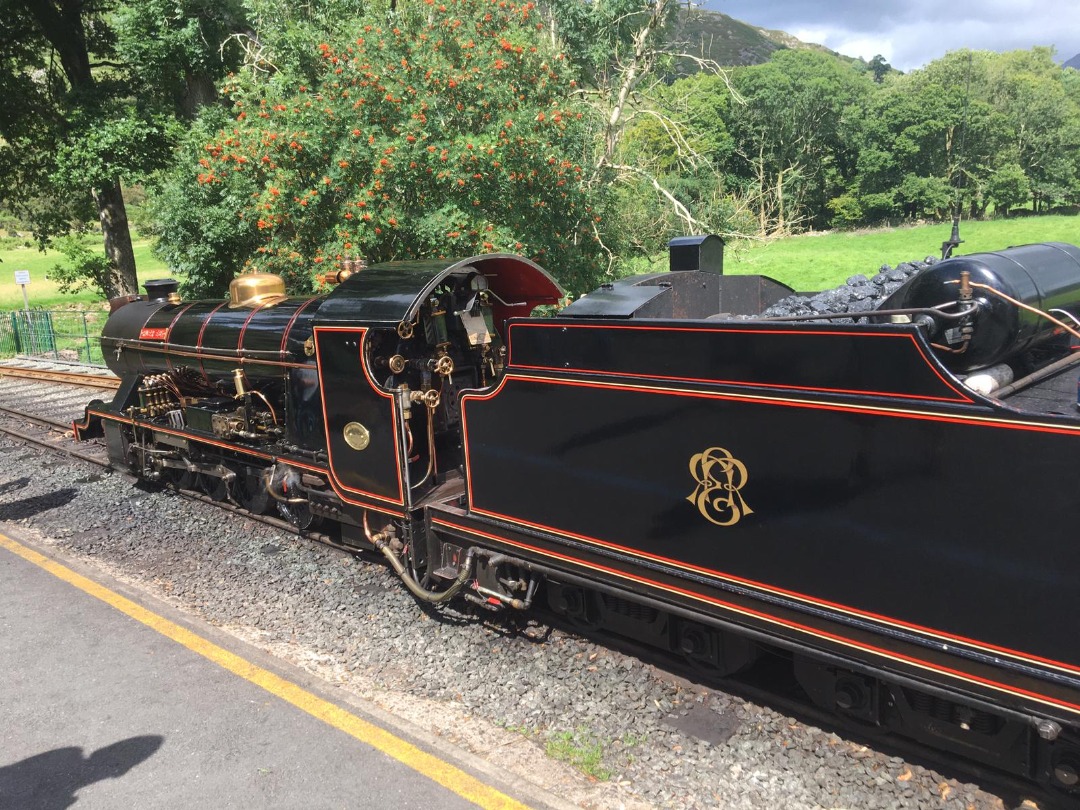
[{"x": 910, "y": 33}]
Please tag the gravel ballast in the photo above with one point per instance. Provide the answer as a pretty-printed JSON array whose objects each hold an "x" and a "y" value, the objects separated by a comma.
[{"x": 635, "y": 736}]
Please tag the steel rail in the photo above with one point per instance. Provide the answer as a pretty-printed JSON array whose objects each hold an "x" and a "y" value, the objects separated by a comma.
[
  {"x": 69, "y": 377},
  {"x": 23, "y": 437},
  {"x": 194, "y": 495},
  {"x": 37, "y": 420}
]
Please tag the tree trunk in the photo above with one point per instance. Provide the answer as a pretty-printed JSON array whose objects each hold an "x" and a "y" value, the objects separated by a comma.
[
  {"x": 639, "y": 65},
  {"x": 62, "y": 25},
  {"x": 114, "y": 229},
  {"x": 199, "y": 91},
  {"x": 780, "y": 224}
]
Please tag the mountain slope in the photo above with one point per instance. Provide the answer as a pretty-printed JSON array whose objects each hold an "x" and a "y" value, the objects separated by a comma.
[
  {"x": 731, "y": 43},
  {"x": 723, "y": 39}
]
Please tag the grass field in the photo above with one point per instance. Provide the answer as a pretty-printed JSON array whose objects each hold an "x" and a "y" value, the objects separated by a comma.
[
  {"x": 820, "y": 261},
  {"x": 807, "y": 262},
  {"x": 42, "y": 292}
]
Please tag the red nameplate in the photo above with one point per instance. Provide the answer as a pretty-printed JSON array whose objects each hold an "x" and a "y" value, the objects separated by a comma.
[{"x": 154, "y": 334}]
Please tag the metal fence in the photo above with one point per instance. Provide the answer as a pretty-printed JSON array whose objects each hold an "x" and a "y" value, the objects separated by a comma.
[{"x": 66, "y": 335}]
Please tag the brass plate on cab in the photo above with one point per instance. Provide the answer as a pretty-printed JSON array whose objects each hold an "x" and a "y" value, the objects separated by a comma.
[{"x": 357, "y": 436}]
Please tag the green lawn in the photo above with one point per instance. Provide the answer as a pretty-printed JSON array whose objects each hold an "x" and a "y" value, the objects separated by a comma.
[
  {"x": 42, "y": 292},
  {"x": 820, "y": 261},
  {"x": 807, "y": 262}
]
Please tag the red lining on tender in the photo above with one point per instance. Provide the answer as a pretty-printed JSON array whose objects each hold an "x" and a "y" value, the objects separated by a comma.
[
  {"x": 961, "y": 395},
  {"x": 967, "y": 676}
]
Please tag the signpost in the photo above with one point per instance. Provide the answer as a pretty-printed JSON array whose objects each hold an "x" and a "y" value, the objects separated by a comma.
[{"x": 22, "y": 278}]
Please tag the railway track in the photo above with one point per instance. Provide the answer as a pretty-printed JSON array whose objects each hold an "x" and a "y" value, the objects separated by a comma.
[
  {"x": 52, "y": 435},
  {"x": 84, "y": 376},
  {"x": 37, "y": 422},
  {"x": 55, "y": 435}
]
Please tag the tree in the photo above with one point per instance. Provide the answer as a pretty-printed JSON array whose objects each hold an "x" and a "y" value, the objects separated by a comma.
[
  {"x": 931, "y": 129},
  {"x": 1028, "y": 88},
  {"x": 624, "y": 52},
  {"x": 445, "y": 132},
  {"x": 679, "y": 139},
  {"x": 79, "y": 122},
  {"x": 77, "y": 34},
  {"x": 880, "y": 68},
  {"x": 1008, "y": 187},
  {"x": 176, "y": 51},
  {"x": 791, "y": 135}
]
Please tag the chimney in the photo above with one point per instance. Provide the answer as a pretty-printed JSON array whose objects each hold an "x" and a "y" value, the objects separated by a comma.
[{"x": 163, "y": 290}]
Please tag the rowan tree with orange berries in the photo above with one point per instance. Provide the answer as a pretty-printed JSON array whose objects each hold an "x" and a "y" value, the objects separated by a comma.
[{"x": 448, "y": 132}]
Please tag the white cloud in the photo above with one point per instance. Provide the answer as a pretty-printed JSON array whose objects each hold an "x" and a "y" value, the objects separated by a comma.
[
  {"x": 910, "y": 33},
  {"x": 864, "y": 47},
  {"x": 846, "y": 42}
]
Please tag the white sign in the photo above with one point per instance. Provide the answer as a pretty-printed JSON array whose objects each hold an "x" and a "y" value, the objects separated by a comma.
[{"x": 22, "y": 276}]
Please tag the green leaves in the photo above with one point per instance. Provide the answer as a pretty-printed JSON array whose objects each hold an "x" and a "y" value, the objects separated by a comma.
[
  {"x": 1008, "y": 187},
  {"x": 446, "y": 132},
  {"x": 111, "y": 142}
]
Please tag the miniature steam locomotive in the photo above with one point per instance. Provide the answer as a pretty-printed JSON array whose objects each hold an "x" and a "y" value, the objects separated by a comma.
[{"x": 887, "y": 503}]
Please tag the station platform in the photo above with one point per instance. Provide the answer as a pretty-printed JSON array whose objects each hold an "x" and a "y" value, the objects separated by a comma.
[{"x": 112, "y": 700}]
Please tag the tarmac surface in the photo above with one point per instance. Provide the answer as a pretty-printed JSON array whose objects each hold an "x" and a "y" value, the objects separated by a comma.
[{"x": 125, "y": 703}]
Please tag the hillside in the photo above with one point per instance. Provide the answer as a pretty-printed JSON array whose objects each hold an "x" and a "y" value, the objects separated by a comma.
[
  {"x": 731, "y": 43},
  {"x": 1074, "y": 62}
]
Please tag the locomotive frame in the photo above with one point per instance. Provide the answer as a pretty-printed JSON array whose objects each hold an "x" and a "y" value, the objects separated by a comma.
[{"x": 718, "y": 487}]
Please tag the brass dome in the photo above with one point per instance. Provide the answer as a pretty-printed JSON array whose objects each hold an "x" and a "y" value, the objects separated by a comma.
[{"x": 256, "y": 289}]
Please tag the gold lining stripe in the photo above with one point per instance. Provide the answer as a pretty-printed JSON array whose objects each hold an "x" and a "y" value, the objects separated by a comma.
[{"x": 443, "y": 773}]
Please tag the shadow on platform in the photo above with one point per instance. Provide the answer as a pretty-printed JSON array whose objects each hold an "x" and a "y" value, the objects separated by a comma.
[{"x": 50, "y": 781}]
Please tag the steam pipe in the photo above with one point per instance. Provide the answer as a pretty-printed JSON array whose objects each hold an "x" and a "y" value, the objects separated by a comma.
[
  {"x": 434, "y": 597},
  {"x": 382, "y": 543},
  {"x": 933, "y": 311},
  {"x": 1036, "y": 376}
]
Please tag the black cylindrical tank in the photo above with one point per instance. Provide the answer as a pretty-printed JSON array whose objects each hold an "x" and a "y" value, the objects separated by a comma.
[
  {"x": 1044, "y": 276},
  {"x": 150, "y": 337}
]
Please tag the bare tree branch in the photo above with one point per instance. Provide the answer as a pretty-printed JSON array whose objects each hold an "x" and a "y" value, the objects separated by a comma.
[
  {"x": 254, "y": 52},
  {"x": 714, "y": 68},
  {"x": 680, "y": 209},
  {"x": 674, "y": 131},
  {"x": 611, "y": 257},
  {"x": 640, "y": 62}
]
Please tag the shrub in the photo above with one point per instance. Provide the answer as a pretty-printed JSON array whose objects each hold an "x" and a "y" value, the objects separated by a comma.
[{"x": 446, "y": 133}]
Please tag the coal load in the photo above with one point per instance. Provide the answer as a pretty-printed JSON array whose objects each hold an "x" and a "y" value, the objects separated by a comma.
[{"x": 856, "y": 295}]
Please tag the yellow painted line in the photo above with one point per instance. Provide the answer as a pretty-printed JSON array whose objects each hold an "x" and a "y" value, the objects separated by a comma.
[{"x": 445, "y": 774}]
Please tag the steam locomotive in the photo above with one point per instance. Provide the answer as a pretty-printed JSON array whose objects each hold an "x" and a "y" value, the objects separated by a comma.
[{"x": 886, "y": 503}]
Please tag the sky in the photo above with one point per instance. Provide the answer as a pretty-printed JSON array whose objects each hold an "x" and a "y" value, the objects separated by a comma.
[{"x": 910, "y": 33}]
